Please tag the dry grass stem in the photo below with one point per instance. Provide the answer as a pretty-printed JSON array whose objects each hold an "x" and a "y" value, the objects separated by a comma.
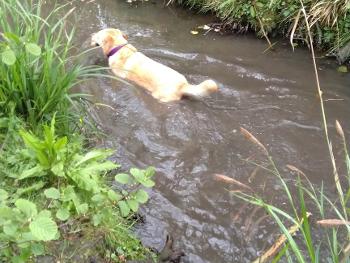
[
  {"x": 295, "y": 169},
  {"x": 332, "y": 222},
  {"x": 254, "y": 140},
  {"x": 296, "y": 22},
  {"x": 339, "y": 129},
  {"x": 273, "y": 250},
  {"x": 229, "y": 180}
]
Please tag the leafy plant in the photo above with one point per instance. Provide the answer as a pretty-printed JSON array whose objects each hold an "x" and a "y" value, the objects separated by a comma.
[
  {"x": 70, "y": 184},
  {"x": 51, "y": 186},
  {"x": 131, "y": 201},
  {"x": 38, "y": 69},
  {"x": 23, "y": 228}
]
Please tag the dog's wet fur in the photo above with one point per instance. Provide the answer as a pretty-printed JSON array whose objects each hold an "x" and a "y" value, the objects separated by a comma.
[{"x": 164, "y": 83}]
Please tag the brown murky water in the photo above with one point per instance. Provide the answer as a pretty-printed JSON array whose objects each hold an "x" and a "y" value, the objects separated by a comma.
[{"x": 271, "y": 94}]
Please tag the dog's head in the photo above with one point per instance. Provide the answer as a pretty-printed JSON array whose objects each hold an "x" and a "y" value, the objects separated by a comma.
[{"x": 108, "y": 38}]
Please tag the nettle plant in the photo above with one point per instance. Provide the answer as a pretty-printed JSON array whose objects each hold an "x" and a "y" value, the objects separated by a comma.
[{"x": 67, "y": 185}]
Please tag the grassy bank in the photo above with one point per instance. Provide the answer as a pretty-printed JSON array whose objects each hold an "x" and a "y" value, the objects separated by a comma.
[
  {"x": 329, "y": 20},
  {"x": 57, "y": 191}
]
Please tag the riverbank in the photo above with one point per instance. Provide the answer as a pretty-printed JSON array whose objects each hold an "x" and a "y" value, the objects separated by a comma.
[
  {"x": 329, "y": 20},
  {"x": 61, "y": 197}
]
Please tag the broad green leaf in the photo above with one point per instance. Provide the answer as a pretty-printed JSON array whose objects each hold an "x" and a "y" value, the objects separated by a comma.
[
  {"x": 122, "y": 178},
  {"x": 124, "y": 208},
  {"x": 34, "y": 187},
  {"x": 150, "y": 172},
  {"x": 68, "y": 193},
  {"x": 10, "y": 229},
  {"x": 140, "y": 177},
  {"x": 6, "y": 213},
  {"x": 3, "y": 195},
  {"x": 36, "y": 171},
  {"x": 24, "y": 246},
  {"x": 52, "y": 193},
  {"x": 58, "y": 169},
  {"x": 31, "y": 141},
  {"x": 60, "y": 143},
  {"x": 44, "y": 213},
  {"x": 38, "y": 249},
  {"x": 148, "y": 183},
  {"x": 133, "y": 204},
  {"x": 99, "y": 167},
  {"x": 83, "y": 208},
  {"x": 96, "y": 219},
  {"x": 42, "y": 158},
  {"x": 113, "y": 196},
  {"x": 137, "y": 173},
  {"x": 63, "y": 214},
  {"x": 8, "y": 57},
  {"x": 94, "y": 155},
  {"x": 49, "y": 136},
  {"x": 98, "y": 198},
  {"x": 26, "y": 236},
  {"x": 252, "y": 11},
  {"x": 43, "y": 228},
  {"x": 33, "y": 49},
  {"x": 141, "y": 196},
  {"x": 27, "y": 207}
]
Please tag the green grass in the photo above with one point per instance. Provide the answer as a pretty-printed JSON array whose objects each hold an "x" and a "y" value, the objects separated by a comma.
[
  {"x": 331, "y": 213},
  {"x": 54, "y": 186},
  {"x": 38, "y": 69},
  {"x": 302, "y": 198}
]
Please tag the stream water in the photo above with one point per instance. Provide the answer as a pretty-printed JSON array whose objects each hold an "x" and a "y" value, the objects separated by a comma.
[{"x": 272, "y": 94}]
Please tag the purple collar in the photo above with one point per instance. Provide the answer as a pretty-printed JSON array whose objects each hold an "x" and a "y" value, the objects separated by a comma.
[{"x": 115, "y": 50}]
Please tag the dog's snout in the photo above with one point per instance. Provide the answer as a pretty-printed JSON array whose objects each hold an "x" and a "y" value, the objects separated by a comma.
[{"x": 97, "y": 45}]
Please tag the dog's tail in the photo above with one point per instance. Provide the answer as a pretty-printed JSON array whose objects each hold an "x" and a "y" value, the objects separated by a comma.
[{"x": 201, "y": 90}]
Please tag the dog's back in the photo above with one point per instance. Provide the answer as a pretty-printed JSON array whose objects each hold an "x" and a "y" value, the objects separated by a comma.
[{"x": 162, "y": 81}]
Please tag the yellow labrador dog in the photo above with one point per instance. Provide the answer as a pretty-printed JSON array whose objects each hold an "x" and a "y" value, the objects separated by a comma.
[{"x": 164, "y": 83}]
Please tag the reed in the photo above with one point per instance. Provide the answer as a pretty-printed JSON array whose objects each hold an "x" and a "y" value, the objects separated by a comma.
[{"x": 331, "y": 215}]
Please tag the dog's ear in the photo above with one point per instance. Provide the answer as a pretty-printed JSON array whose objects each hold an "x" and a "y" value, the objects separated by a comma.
[{"x": 125, "y": 36}]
